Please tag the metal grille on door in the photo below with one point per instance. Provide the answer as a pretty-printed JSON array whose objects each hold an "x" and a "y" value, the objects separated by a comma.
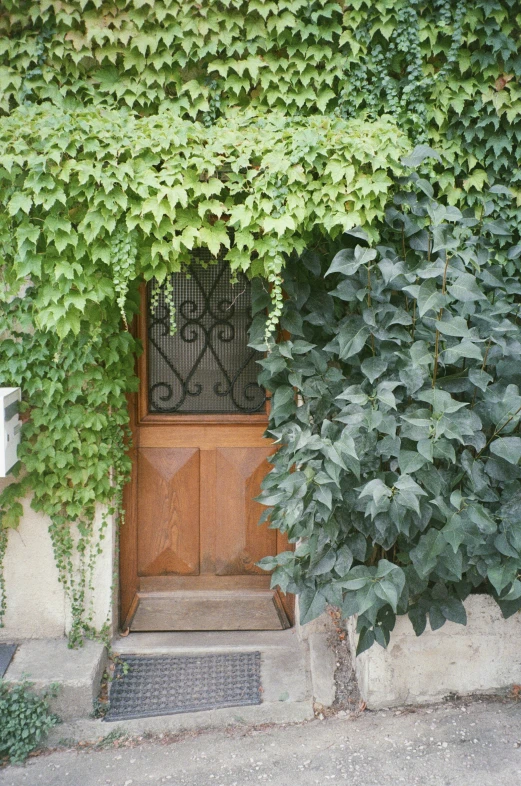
[{"x": 206, "y": 367}]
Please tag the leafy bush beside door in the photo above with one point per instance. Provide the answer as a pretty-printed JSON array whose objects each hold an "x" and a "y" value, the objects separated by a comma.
[{"x": 398, "y": 472}]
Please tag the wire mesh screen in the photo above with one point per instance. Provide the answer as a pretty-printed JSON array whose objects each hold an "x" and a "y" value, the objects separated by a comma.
[{"x": 206, "y": 366}]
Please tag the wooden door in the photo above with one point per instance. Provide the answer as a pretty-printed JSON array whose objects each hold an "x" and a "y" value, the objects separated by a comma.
[{"x": 191, "y": 538}]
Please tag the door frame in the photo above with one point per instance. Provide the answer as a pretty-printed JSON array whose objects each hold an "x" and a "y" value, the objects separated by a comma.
[{"x": 141, "y": 423}]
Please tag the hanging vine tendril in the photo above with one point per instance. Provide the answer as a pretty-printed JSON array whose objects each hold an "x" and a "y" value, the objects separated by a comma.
[
  {"x": 392, "y": 77},
  {"x": 123, "y": 252},
  {"x": 3, "y": 599},
  {"x": 167, "y": 290},
  {"x": 83, "y": 425},
  {"x": 277, "y": 301}
]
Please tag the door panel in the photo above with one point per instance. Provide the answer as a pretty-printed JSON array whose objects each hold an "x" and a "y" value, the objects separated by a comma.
[
  {"x": 191, "y": 540},
  {"x": 168, "y": 511},
  {"x": 240, "y": 542}
]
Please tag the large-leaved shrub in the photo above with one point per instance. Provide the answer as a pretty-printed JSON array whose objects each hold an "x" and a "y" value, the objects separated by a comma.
[{"x": 396, "y": 401}]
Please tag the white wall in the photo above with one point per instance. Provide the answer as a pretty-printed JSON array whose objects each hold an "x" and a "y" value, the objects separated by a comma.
[
  {"x": 483, "y": 656},
  {"x": 36, "y": 603}
]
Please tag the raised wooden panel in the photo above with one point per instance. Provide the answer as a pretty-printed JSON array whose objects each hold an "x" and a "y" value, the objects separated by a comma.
[
  {"x": 168, "y": 511},
  {"x": 239, "y": 540}
]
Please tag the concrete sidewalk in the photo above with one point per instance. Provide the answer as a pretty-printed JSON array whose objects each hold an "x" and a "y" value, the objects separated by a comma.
[{"x": 474, "y": 743}]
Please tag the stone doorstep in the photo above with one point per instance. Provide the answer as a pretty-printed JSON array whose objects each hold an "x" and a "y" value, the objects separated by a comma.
[
  {"x": 95, "y": 730},
  {"x": 195, "y": 642},
  {"x": 77, "y": 672},
  {"x": 286, "y": 682},
  {"x": 286, "y": 656},
  {"x": 296, "y": 670}
]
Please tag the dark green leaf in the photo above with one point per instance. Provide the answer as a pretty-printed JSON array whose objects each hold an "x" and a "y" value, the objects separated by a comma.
[
  {"x": 508, "y": 448},
  {"x": 373, "y": 368},
  {"x": 419, "y": 154},
  {"x": 466, "y": 289},
  {"x": 312, "y": 603},
  {"x": 430, "y": 297},
  {"x": 425, "y": 555},
  {"x": 366, "y": 640}
]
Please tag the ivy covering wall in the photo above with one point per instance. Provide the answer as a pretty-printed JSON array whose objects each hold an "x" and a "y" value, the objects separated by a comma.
[
  {"x": 135, "y": 131},
  {"x": 446, "y": 70}
]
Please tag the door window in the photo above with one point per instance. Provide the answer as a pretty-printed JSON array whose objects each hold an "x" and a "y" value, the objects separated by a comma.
[{"x": 206, "y": 366}]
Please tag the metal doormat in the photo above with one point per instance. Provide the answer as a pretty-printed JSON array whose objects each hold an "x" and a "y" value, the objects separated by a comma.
[
  {"x": 145, "y": 686},
  {"x": 6, "y": 654}
]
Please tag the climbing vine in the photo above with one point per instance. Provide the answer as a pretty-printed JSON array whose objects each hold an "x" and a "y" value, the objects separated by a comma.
[
  {"x": 75, "y": 435},
  {"x": 134, "y": 132},
  {"x": 90, "y": 204},
  {"x": 123, "y": 250}
]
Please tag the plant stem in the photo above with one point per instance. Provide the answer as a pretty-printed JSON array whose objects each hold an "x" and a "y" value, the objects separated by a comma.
[
  {"x": 369, "y": 302},
  {"x": 444, "y": 285},
  {"x": 440, "y": 312}
]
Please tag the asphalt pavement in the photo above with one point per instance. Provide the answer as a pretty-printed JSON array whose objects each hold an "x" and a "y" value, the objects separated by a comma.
[{"x": 459, "y": 743}]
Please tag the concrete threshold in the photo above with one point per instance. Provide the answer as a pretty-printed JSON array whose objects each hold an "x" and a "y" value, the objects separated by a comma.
[{"x": 285, "y": 679}]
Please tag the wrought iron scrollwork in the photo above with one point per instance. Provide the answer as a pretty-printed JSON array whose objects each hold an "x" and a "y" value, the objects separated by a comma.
[{"x": 206, "y": 366}]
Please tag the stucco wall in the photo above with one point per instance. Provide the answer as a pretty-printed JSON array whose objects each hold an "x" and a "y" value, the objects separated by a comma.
[
  {"x": 483, "y": 656},
  {"x": 36, "y": 603}
]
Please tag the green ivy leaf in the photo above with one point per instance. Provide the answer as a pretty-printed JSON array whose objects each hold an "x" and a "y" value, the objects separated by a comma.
[
  {"x": 500, "y": 576},
  {"x": 453, "y": 326},
  {"x": 349, "y": 260},
  {"x": 351, "y": 338},
  {"x": 373, "y": 368},
  {"x": 410, "y": 461},
  {"x": 419, "y": 155}
]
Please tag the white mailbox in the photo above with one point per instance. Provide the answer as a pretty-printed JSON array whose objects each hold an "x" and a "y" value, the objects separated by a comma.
[{"x": 10, "y": 428}]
